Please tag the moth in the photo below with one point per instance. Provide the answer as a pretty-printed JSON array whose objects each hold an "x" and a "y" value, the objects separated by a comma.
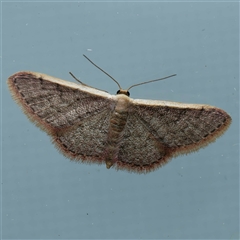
[{"x": 93, "y": 126}]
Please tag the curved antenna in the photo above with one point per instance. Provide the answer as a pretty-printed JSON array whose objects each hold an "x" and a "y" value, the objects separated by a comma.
[
  {"x": 77, "y": 79},
  {"x": 155, "y": 80},
  {"x": 103, "y": 71}
]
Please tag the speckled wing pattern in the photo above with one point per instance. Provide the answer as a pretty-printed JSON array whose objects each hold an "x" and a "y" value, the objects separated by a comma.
[
  {"x": 160, "y": 130},
  {"x": 78, "y": 119}
]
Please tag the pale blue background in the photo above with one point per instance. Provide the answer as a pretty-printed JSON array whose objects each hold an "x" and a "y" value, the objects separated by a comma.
[{"x": 45, "y": 196}]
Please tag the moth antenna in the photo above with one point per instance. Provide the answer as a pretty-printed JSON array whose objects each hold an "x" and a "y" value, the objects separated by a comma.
[
  {"x": 83, "y": 83},
  {"x": 76, "y": 78},
  {"x": 155, "y": 80},
  {"x": 103, "y": 71}
]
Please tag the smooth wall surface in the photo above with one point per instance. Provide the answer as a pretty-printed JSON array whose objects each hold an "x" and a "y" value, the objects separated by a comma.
[{"x": 195, "y": 196}]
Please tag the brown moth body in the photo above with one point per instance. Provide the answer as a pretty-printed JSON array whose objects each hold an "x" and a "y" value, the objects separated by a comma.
[{"x": 115, "y": 133}]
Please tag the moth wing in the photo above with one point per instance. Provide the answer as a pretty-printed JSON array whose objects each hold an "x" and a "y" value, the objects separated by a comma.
[
  {"x": 76, "y": 116},
  {"x": 158, "y": 130}
]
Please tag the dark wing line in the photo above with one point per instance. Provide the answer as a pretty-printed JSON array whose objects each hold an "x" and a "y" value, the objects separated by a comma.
[
  {"x": 68, "y": 128},
  {"x": 76, "y": 125},
  {"x": 194, "y": 145},
  {"x": 147, "y": 127},
  {"x": 31, "y": 113},
  {"x": 154, "y": 133}
]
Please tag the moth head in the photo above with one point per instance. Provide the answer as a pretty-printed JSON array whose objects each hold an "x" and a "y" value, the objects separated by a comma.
[{"x": 125, "y": 92}]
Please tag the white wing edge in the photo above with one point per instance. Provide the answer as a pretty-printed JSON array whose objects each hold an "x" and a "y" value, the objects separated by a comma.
[
  {"x": 169, "y": 104},
  {"x": 70, "y": 84}
]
